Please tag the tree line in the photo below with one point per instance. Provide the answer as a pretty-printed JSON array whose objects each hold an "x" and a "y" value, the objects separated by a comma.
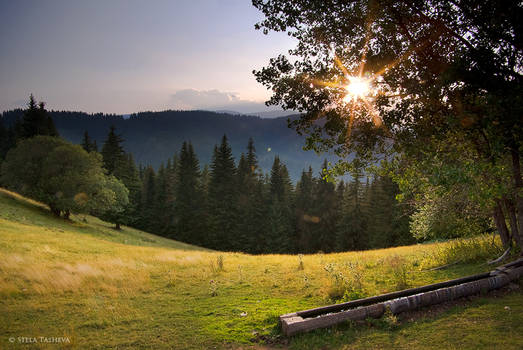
[
  {"x": 227, "y": 205},
  {"x": 234, "y": 206}
]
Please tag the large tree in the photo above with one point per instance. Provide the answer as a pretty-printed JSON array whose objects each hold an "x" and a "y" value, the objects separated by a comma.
[
  {"x": 222, "y": 197},
  {"x": 445, "y": 83},
  {"x": 113, "y": 152},
  {"x": 62, "y": 175},
  {"x": 189, "y": 198}
]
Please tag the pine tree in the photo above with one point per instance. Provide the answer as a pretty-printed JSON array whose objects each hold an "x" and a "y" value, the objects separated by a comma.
[
  {"x": 87, "y": 144},
  {"x": 113, "y": 153},
  {"x": 305, "y": 218},
  {"x": 351, "y": 230},
  {"x": 389, "y": 225},
  {"x": 251, "y": 159},
  {"x": 222, "y": 197},
  {"x": 51, "y": 128},
  {"x": 243, "y": 175},
  {"x": 132, "y": 182},
  {"x": 160, "y": 224},
  {"x": 170, "y": 193},
  {"x": 36, "y": 121},
  {"x": 280, "y": 226},
  {"x": 147, "y": 205},
  {"x": 189, "y": 198},
  {"x": 326, "y": 209},
  {"x": 277, "y": 182}
]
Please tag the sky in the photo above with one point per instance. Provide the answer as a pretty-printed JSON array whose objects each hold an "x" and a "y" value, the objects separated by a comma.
[{"x": 127, "y": 56}]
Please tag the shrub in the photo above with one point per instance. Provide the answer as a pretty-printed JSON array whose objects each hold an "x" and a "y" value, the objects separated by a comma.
[
  {"x": 399, "y": 270},
  {"x": 345, "y": 287}
]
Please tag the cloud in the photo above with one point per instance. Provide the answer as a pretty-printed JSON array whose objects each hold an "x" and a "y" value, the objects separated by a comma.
[
  {"x": 194, "y": 99},
  {"x": 216, "y": 100}
]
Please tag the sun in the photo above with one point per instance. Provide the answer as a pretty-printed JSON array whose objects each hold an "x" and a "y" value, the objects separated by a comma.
[{"x": 357, "y": 88}]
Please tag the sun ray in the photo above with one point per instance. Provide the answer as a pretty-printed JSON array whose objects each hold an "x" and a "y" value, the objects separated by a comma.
[
  {"x": 403, "y": 56},
  {"x": 351, "y": 121},
  {"x": 363, "y": 59},
  {"x": 376, "y": 119},
  {"x": 341, "y": 66},
  {"x": 325, "y": 83}
]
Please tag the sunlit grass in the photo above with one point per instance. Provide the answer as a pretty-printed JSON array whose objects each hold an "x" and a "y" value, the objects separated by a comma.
[{"x": 129, "y": 289}]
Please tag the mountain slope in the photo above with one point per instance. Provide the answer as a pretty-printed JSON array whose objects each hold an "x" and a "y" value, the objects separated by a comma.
[
  {"x": 153, "y": 137},
  {"x": 93, "y": 287}
]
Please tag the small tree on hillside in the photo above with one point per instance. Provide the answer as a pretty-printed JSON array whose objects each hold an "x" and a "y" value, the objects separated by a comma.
[{"x": 113, "y": 210}]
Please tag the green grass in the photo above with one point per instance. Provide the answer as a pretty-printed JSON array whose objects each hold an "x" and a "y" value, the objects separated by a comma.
[{"x": 128, "y": 289}]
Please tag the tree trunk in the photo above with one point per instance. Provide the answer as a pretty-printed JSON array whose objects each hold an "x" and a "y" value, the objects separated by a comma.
[
  {"x": 67, "y": 214},
  {"x": 499, "y": 220},
  {"x": 54, "y": 210},
  {"x": 518, "y": 184},
  {"x": 512, "y": 217},
  {"x": 117, "y": 226}
]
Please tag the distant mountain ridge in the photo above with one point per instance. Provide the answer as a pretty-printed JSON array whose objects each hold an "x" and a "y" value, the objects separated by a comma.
[{"x": 153, "y": 137}]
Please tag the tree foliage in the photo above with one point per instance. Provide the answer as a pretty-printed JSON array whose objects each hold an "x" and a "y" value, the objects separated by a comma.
[
  {"x": 62, "y": 175},
  {"x": 446, "y": 103}
]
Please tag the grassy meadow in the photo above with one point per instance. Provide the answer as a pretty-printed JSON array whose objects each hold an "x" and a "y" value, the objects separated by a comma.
[{"x": 107, "y": 289}]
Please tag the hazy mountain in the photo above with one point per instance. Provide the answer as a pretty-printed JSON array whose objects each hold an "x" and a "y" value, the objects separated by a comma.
[{"x": 153, "y": 137}]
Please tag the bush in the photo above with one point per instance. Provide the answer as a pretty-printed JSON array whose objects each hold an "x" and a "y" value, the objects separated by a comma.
[
  {"x": 465, "y": 250},
  {"x": 345, "y": 287}
]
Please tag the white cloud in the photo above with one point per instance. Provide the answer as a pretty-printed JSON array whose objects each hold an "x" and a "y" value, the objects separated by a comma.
[
  {"x": 194, "y": 99},
  {"x": 216, "y": 100}
]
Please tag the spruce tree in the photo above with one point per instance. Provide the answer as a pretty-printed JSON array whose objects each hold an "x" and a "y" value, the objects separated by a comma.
[
  {"x": 222, "y": 197},
  {"x": 161, "y": 216},
  {"x": 305, "y": 218},
  {"x": 170, "y": 193},
  {"x": 50, "y": 127},
  {"x": 277, "y": 185},
  {"x": 326, "y": 209},
  {"x": 148, "y": 195},
  {"x": 36, "y": 121},
  {"x": 113, "y": 153},
  {"x": 280, "y": 226},
  {"x": 351, "y": 230},
  {"x": 189, "y": 198},
  {"x": 87, "y": 143},
  {"x": 131, "y": 179},
  {"x": 390, "y": 224},
  {"x": 251, "y": 159}
]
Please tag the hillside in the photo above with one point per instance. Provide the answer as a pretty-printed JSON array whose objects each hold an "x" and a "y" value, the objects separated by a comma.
[
  {"x": 153, "y": 137},
  {"x": 101, "y": 288}
]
